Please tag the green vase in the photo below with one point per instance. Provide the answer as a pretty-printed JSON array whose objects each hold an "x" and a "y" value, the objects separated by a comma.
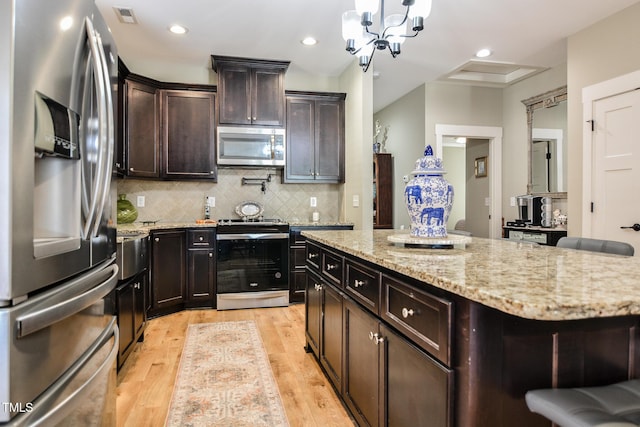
[{"x": 127, "y": 213}]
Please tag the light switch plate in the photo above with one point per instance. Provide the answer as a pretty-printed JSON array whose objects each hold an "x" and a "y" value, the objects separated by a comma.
[
  {"x": 313, "y": 202},
  {"x": 356, "y": 200},
  {"x": 211, "y": 201},
  {"x": 140, "y": 201}
]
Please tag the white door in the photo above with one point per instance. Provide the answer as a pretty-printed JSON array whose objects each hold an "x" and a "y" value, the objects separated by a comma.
[{"x": 616, "y": 168}]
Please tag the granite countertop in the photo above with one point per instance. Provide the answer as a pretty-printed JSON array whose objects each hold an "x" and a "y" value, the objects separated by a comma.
[{"x": 531, "y": 281}]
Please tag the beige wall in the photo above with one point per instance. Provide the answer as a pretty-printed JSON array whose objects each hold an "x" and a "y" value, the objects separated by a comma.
[
  {"x": 477, "y": 189},
  {"x": 359, "y": 137},
  {"x": 455, "y": 165},
  {"x": 607, "y": 49},
  {"x": 515, "y": 139},
  {"x": 405, "y": 119}
]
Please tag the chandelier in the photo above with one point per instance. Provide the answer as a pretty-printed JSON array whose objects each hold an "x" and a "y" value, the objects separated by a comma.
[{"x": 363, "y": 41}]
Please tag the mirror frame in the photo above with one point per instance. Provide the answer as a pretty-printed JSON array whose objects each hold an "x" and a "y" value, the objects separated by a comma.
[{"x": 544, "y": 100}]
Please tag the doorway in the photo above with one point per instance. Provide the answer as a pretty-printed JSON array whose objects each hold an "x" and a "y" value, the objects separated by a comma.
[{"x": 492, "y": 163}]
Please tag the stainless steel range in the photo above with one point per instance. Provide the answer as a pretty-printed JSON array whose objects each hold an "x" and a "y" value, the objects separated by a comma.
[{"x": 252, "y": 263}]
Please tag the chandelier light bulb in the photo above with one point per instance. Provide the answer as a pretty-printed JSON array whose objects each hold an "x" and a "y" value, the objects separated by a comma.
[{"x": 351, "y": 28}]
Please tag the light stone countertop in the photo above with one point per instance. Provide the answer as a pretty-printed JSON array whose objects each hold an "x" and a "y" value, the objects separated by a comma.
[{"x": 527, "y": 280}]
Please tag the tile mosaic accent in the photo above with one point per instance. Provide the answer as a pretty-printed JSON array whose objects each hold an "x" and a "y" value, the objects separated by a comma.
[{"x": 183, "y": 201}]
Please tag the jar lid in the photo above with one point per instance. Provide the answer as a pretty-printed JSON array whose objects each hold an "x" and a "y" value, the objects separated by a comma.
[{"x": 429, "y": 164}]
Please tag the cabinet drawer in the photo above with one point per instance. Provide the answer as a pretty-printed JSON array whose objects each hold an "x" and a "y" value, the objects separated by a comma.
[
  {"x": 422, "y": 317},
  {"x": 297, "y": 257},
  {"x": 201, "y": 238},
  {"x": 314, "y": 257},
  {"x": 332, "y": 267},
  {"x": 363, "y": 284}
]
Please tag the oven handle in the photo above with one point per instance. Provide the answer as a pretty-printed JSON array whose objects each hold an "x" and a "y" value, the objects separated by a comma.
[{"x": 252, "y": 236}]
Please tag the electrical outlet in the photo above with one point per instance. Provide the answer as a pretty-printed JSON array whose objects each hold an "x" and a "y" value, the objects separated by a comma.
[
  {"x": 140, "y": 201},
  {"x": 211, "y": 201},
  {"x": 512, "y": 201},
  {"x": 313, "y": 202}
]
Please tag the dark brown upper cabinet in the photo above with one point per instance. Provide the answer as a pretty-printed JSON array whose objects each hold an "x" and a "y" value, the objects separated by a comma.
[
  {"x": 315, "y": 137},
  {"x": 141, "y": 129},
  {"x": 188, "y": 134},
  {"x": 250, "y": 91}
]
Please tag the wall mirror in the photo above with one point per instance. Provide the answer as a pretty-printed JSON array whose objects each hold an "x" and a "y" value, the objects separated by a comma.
[{"x": 547, "y": 134}]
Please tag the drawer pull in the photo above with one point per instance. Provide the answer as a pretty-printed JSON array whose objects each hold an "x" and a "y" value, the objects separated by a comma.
[
  {"x": 407, "y": 312},
  {"x": 331, "y": 267},
  {"x": 317, "y": 287},
  {"x": 201, "y": 238},
  {"x": 313, "y": 255},
  {"x": 357, "y": 283},
  {"x": 377, "y": 339}
]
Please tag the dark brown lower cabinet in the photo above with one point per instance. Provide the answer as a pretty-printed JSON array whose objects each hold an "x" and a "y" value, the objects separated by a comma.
[
  {"x": 388, "y": 381},
  {"x": 130, "y": 306},
  {"x": 201, "y": 272},
  {"x": 324, "y": 326},
  {"x": 168, "y": 270}
]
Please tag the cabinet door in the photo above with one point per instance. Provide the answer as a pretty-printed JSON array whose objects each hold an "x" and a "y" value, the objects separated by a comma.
[
  {"x": 331, "y": 341},
  {"x": 300, "y": 164},
  {"x": 329, "y": 138},
  {"x": 142, "y": 129},
  {"x": 297, "y": 275},
  {"x": 313, "y": 310},
  {"x": 139, "y": 309},
  {"x": 267, "y": 106},
  {"x": 418, "y": 389},
  {"x": 125, "y": 301},
  {"x": 234, "y": 90},
  {"x": 168, "y": 274},
  {"x": 200, "y": 284},
  {"x": 188, "y": 134},
  {"x": 361, "y": 380}
]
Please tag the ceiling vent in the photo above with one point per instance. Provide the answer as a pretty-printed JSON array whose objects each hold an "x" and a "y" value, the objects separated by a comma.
[
  {"x": 489, "y": 73},
  {"x": 125, "y": 15}
]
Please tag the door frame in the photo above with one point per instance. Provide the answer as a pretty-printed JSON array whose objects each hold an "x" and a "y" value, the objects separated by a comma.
[
  {"x": 590, "y": 95},
  {"x": 494, "y": 135}
]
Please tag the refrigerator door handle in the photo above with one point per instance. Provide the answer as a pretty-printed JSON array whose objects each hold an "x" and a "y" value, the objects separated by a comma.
[
  {"x": 57, "y": 414},
  {"x": 106, "y": 138},
  {"x": 95, "y": 60},
  {"x": 60, "y": 306}
]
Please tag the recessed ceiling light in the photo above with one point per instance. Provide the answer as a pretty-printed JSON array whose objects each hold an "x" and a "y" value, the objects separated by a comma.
[
  {"x": 309, "y": 41},
  {"x": 483, "y": 53},
  {"x": 178, "y": 29},
  {"x": 66, "y": 23}
]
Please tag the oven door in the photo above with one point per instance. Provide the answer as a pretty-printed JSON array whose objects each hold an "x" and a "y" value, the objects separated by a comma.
[{"x": 252, "y": 262}]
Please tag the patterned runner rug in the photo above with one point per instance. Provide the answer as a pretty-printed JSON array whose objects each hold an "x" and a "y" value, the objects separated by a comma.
[{"x": 225, "y": 379}]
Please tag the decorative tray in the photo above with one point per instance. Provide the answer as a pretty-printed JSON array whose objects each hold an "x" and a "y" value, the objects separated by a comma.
[
  {"x": 249, "y": 210},
  {"x": 429, "y": 242}
]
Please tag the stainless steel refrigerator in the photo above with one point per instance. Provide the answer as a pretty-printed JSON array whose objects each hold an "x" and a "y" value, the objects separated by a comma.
[{"x": 58, "y": 338}]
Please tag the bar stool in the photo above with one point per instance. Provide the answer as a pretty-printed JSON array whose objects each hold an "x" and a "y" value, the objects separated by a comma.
[
  {"x": 596, "y": 245},
  {"x": 615, "y": 405}
]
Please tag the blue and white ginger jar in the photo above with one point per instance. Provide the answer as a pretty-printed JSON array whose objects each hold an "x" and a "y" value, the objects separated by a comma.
[{"x": 429, "y": 197}]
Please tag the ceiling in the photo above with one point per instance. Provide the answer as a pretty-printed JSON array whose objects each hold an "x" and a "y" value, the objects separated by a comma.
[{"x": 530, "y": 33}]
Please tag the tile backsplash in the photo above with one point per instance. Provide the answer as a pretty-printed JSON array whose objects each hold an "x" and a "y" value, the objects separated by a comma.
[{"x": 183, "y": 201}]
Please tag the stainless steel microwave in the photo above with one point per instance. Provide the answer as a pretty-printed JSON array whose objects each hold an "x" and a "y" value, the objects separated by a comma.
[{"x": 251, "y": 146}]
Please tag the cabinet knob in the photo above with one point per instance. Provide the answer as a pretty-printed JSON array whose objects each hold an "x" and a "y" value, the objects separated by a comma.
[
  {"x": 248, "y": 118},
  {"x": 117, "y": 164},
  {"x": 201, "y": 238},
  {"x": 407, "y": 312},
  {"x": 210, "y": 254},
  {"x": 357, "y": 283},
  {"x": 131, "y": 169},
  {"x": 157, "y": 239},
  {"x": 331, "y": 267},
  {"x": 313, "y": 255},
  {"x": 210, "y": 172},
  {"x": 376, "y": 338},
  {"x": 317, "y": 287},
  {"x": 254, "y": 119}
]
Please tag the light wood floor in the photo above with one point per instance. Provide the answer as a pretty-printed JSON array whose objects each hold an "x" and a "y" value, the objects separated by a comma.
[{"x": 145, "y": 382}]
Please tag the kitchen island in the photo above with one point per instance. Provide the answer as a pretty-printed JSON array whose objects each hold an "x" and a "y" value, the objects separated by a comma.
[{"x": 492, "y": 319}]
